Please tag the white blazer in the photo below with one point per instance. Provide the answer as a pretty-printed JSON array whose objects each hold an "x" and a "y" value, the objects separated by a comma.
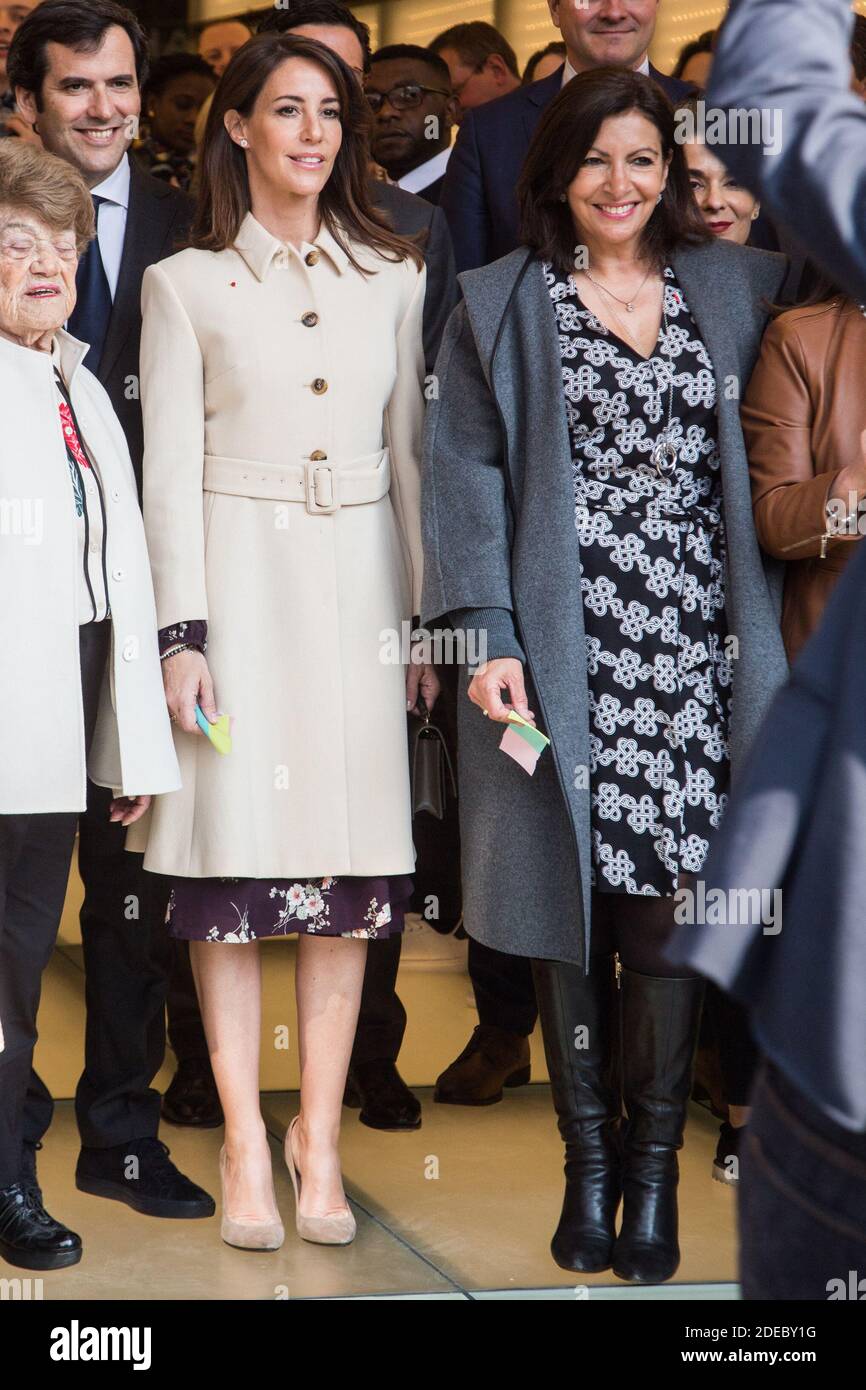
[{"x": 42, "y": 758}]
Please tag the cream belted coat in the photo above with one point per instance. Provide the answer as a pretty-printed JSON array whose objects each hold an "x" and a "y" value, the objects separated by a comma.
[
  {"x": 283, "y": 408},
  {"x": 42, "y": 755}
]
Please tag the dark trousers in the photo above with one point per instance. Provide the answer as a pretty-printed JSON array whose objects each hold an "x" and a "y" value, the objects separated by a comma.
[
  {"x": 437, "y": 895},
  {"x": 35, "y": 855},
  {"x": 123, "y": 935},
  {"x": 504, "y": 992},
  {"x": 185, "y": 1028},
  {"x": 802, "y": 1200},
  {"x": 738, "y": 1056}
]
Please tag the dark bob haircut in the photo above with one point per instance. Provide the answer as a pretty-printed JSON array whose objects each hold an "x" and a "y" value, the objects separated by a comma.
[{"x": 566, "y": 133}]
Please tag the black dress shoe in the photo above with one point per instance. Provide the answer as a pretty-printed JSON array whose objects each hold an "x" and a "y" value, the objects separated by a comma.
[
  {"x": 29, "y": 1237},
  {"x": 383, "y": 1096},
  {"x": 491, "y": 1059},
  {"x": 156, "y": 1189},
  {"x": 192, "y": 1098}
]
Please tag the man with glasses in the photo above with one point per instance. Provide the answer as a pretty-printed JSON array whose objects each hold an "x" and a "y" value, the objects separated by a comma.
[
  {"x": 482, "y": 63},
  {"x": 409, "y": 91}
]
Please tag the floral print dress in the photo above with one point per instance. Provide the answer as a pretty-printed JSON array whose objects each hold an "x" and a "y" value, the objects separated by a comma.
[{"x": 241, "y": 910}]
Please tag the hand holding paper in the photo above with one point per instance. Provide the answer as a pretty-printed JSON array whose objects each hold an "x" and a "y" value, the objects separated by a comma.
[
  {"x": 523, "y": 742},
  {"x": 219, "y": 733}
]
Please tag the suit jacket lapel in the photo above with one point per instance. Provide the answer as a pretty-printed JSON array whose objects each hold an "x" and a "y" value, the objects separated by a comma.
[
  {"x": 148, "y": 219},
  {"x": 539, "y": 95}
]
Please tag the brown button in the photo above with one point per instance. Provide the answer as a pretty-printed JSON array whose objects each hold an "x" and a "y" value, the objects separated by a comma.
[
  {"x": 317, "y": 455},
  {"x": 320, "y": 386},
  {"x": 309, "y": 319},
  {"x": 312, "y": 258}
]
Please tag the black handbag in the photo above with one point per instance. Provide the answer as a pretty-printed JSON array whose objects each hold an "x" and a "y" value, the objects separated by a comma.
[{"x": 432, "y": 772}]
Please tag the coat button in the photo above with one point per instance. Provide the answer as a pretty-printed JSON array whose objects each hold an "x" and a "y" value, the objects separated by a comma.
[
  {"x": 317, "y": 455},
  {"x": 312, "y": 258},
  {"x": 118, "y": 573},
  {"x": 320, "y": 386},
  {"x": 309, "y": 319},
  {"x": 115, "y": 494}
]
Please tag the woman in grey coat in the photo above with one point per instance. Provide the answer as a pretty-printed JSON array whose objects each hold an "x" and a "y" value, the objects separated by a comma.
[{"x": 587, "y": 512}]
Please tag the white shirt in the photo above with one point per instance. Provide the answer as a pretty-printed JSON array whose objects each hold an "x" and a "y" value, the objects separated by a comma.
[
  {"x": 111, "y": 224},
  {"x": 425, "y": 174},
  {"x": 568, "y": 72}
]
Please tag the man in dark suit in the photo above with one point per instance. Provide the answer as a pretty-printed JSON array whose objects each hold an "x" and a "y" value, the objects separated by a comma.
[
  {"x": 478, "y": 198},
  {"x": 374, "y": 1084},
  {"x": 409, "y": 91},
  {"x": 76, "y": 67}
]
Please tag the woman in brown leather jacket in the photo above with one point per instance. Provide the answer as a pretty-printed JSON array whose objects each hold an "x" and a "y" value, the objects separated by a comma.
[{"x": 804, "y": 415}]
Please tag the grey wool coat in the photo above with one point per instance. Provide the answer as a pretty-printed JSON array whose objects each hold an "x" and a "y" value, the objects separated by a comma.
[{"x": 499, "y": 533}]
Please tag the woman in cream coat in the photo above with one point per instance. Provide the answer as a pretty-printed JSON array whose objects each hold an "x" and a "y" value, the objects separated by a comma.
[{"x": 282, "y": 376}]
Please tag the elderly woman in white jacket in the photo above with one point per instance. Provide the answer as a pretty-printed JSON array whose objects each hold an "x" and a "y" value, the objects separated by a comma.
[{"x": 80, "y": 687}]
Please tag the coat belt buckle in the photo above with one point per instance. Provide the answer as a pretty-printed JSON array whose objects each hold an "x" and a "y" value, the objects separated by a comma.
[{"x": 321, "y": 491}]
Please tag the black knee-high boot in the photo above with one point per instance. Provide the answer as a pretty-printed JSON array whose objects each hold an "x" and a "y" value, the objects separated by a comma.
[
  {"x": 582, "y": 1071},
  {"x": 660, "y": 1019}
]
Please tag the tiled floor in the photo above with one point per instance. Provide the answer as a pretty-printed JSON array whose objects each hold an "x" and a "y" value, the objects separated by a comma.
[{"x": 462, "y": 1208}]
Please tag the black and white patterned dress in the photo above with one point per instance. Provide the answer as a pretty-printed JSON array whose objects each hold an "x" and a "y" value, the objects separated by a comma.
[{"x": 652, "y": 576}]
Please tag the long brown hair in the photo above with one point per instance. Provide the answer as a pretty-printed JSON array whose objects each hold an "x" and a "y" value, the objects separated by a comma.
[
  {"x": 566, "y": 133},
  {"x": 344, "y": 202}
]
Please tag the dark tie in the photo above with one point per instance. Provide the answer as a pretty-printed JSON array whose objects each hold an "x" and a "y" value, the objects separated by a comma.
[{"x": 89, "y": 319}]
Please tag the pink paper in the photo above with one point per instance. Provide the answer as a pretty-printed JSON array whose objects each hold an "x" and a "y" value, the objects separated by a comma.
[{"x": 518, "y": 749}]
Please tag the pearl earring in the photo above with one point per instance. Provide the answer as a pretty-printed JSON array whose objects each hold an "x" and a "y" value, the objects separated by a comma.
[
  {"x": 245, "y": 143},
  {"x": 659, "y": 198},
  {"x": 562, "y": 198}
]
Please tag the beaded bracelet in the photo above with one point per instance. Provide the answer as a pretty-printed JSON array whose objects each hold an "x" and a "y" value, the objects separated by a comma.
[{"x": 180, "y": 647}]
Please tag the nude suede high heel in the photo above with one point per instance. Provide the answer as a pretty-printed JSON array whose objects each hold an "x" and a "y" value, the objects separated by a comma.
[
  {"x": 338, "y": 1229},
  {"x": 248, "y": 1233}
]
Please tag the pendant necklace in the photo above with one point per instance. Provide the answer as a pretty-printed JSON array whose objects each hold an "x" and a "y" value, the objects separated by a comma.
[
  {"x": 629, "y": 303},
  {"x": 664, "y": 454}
]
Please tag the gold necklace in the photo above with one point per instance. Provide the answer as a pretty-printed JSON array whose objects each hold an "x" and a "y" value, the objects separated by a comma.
[{"x": 629, "y": 303}]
